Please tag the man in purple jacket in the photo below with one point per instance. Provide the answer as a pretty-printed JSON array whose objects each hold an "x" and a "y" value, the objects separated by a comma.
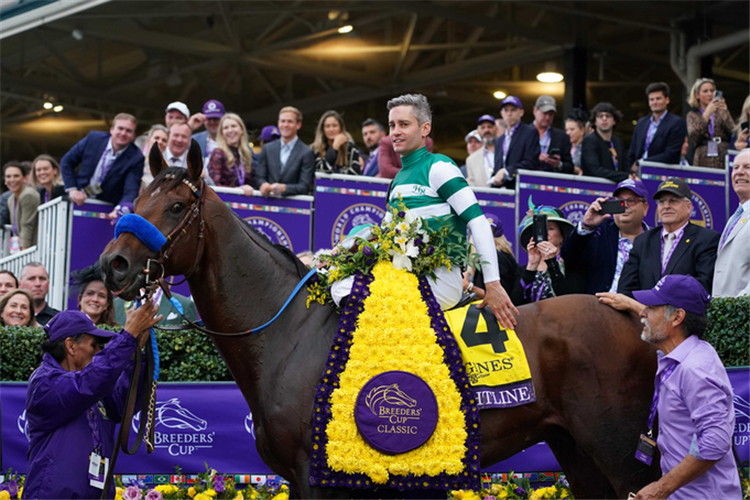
[{"x": 76, "y": 398}]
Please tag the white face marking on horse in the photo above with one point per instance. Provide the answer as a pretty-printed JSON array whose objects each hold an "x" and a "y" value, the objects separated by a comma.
[{"x": 156, "y": 191}]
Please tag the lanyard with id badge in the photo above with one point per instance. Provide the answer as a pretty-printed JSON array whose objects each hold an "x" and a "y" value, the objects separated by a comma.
[
  {"x": 98, "y": 465},
  {"x": 644, "y": 452}
]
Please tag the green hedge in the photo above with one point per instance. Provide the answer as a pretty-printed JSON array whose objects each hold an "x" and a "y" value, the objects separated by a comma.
[
  {"x": 185, "y": 356},
  {"x": 191, "y": 356}
]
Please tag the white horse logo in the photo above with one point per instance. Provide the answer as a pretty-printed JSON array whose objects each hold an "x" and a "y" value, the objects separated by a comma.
[{"x": 172, "y": 415}]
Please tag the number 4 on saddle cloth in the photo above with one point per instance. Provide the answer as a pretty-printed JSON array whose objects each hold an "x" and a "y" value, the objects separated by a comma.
[{"x": 494, "y": 358}]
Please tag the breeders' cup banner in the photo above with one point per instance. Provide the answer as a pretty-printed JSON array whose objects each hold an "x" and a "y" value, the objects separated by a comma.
[
  {"x": 570, "y": 193},
  {"x": 343, "y": 202},
  {"x": 499, "y": 205},
  {"x": 708, "y": 185},
  {"x": 210, "y": 422}
]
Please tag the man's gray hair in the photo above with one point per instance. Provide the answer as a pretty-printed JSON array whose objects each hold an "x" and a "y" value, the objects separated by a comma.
[
  {"x": 419, "y": 104},
  {"x": 33, "y": 264}
]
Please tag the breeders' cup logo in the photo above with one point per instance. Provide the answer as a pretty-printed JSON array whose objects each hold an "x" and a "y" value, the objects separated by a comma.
[
  {"x": 270, "y": 230},
  {"x": 700, "y": 214},
  {"x": 741, "y": 422},
  {"x": 391, "y": 395},
  {"x": 353, "y": 216},
  {"x": 23, "y": 424},
  {"x": 396, "y": 412},
  {"x": 178, "y": 430},
  {"x": 575, "y": 210},
  {"x": 249, "y": 425}
]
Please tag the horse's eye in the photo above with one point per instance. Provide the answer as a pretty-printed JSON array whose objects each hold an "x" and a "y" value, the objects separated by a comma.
[{"x": 177, "y": 207}]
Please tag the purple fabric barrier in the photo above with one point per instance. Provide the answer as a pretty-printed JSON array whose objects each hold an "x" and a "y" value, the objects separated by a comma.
[
  {"x": 570, "y": 193},
  {"x": 285, "y": 221},
  {"x": 708, "y": 185},
  {"x": 210, "y": 422},
  {"x": 343, "y": 202},
  {"x": 500, "y": 204}
]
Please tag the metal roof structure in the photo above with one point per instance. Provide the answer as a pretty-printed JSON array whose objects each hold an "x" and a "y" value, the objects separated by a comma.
[{"x": 100, "y": 57}]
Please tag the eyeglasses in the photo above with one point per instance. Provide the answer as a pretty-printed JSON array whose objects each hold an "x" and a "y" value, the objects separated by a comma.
[
  {"x": 631, "y": 202},
  {"x": 670, "y": 201}
]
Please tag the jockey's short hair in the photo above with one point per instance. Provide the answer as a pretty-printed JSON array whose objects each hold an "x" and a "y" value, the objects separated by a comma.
[{"x": 419, "y": 104}]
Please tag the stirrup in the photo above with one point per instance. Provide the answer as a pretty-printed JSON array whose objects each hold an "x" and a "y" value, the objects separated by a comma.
[{"x": 466, "y": 299}]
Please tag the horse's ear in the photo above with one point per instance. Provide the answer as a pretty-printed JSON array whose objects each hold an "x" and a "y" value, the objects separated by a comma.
[
  {"x": 155, "y": 160},
  {"x": 195, "y": 162}
]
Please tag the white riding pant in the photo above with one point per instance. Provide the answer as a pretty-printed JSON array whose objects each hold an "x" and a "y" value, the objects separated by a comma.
[{"x": 447, "y": 287}]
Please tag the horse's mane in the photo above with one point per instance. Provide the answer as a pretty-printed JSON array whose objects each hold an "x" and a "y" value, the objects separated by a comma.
[
  {"x": 179, "y": 174},
  {"x": 302, "y": 270}
]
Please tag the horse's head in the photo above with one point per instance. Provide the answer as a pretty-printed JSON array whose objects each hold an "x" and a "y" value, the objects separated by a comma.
[{"x": 172, "y": 203}]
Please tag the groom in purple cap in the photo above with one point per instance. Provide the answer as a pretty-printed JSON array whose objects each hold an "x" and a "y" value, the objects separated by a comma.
[
  {"x": 693, "y": 396},
  {"x": 75, "y": 399}
]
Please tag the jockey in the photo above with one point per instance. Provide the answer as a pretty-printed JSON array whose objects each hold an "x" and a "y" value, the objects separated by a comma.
[{"x": 432, "y": 186}]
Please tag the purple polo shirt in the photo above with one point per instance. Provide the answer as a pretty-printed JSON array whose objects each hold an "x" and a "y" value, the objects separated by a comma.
[{"x": 696, "y": 416}]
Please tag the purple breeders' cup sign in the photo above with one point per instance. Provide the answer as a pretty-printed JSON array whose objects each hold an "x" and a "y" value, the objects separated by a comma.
[
  {"x": 210, "y": 422},
  {"x": 708, "y": 186},
  {"x": 284, "y": 221},
  {"x": 343, "y": 202},
  {"x": 396, "y": 412},
  {"x": 570, "y": 193},
  {"x": 499, "y": 205}
]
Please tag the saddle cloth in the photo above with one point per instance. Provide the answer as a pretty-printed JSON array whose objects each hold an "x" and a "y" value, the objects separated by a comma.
[{"x": 494, "y": 358}]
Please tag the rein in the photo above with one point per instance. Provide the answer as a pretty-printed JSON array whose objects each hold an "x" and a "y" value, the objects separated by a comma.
[{"x": 150, "y": 236}]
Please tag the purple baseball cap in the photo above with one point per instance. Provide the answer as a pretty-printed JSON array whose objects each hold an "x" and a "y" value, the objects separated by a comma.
[
  {"x": 496, "y": 225},
  {"x": 635, "y": 186},
  {"x": 213, "y": 109},
  {"x": 511, "y": 99},
  {"x": 269, "y": 133},
  {"x": 486, "y": 118},
  {"x": 68, "y": 323},
  {"x": 677, "y": 290}
]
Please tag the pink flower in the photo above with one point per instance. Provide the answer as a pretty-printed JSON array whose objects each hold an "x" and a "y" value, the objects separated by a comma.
[
  {"x": 132, "y": 493},
  {"x": 153, "y": 495}
]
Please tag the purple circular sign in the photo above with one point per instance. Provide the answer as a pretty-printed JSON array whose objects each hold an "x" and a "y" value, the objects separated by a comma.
[{"x": 396, "y": 412}]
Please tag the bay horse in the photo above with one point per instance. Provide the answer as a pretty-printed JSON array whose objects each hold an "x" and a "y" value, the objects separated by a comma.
[{"x": 592, "y": 374}]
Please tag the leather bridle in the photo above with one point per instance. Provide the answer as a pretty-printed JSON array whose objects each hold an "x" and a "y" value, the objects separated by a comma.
[{"x": 195, "y": 211}]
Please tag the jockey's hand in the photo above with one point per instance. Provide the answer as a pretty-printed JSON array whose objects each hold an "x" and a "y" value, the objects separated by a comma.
[{"x": 499, "y": 302}]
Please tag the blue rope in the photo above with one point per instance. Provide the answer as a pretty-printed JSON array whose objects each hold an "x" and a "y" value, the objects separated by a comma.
[
  {"x": 154, "y": 348},
  {"x": 288, "y": 300}
]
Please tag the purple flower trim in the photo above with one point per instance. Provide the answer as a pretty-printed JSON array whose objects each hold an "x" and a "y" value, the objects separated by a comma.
[
  {"x": 320, "y": 473},
  {"x": 454, "y": 361}
]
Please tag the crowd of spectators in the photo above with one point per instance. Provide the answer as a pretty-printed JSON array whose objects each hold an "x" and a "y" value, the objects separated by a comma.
[{"x": 616, "y": 257}]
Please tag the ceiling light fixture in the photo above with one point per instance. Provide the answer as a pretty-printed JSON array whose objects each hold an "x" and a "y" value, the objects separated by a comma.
[
  {"x": 57, "y": 108},
  {"x": 77, "y": 34},
  {"x": 346, "y": 29},
  {"x": 48, "y": 105},
  {"x": 549, "y": 77},
  {"x": 499, "y": 95}
]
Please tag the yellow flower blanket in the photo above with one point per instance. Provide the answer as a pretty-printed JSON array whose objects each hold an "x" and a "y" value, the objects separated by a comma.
[{"x": 392, "y": 323}]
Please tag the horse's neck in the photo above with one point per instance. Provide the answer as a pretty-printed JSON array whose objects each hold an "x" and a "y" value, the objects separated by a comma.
[
  {"x": 240, "y": 277},
  {"x": 241, "y": 283}
]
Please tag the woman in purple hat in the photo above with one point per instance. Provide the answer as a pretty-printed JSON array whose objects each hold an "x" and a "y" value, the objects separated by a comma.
[{"x": 76, "y": 398}]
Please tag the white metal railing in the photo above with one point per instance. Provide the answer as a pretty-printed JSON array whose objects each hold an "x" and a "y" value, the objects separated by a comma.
[{"x": 51, "y": 250}]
